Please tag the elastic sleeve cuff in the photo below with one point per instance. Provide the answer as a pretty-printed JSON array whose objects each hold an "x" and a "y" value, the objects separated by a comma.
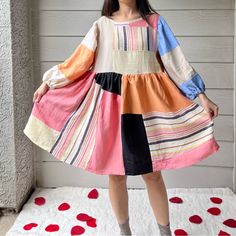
[
  {"x": 192, "y": 87},
  {"x": 47, "y": 77}
]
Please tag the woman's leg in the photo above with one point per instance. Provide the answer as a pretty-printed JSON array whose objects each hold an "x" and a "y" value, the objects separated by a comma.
[
  {"x": 158, "y": 198},
  {"x": 119, "y": 201}
]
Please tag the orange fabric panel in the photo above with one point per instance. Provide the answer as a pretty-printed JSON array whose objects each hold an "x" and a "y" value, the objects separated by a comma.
[
  {"x": 142, "y": 93},
  {"x": 78, "y": 63}
]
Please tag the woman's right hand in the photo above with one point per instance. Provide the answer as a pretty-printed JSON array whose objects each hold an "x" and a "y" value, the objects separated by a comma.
[{"x": 42, "y": 89}]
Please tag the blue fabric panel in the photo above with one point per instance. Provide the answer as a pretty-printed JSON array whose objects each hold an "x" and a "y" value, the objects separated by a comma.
[
  {"x": 166, "y": 39},
  {"x": 193, "y": 86}
]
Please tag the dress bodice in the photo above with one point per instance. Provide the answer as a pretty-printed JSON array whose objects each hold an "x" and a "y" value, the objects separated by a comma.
[
  {"x": 136, "y": 48},
  {"x": 127, "y": 47}
]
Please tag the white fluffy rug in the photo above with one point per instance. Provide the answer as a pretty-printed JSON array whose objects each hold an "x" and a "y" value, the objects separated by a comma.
[{"x": 73, "y": 211}]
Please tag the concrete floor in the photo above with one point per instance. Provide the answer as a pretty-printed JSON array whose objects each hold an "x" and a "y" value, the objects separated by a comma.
[{"x": 6, "y": 222}]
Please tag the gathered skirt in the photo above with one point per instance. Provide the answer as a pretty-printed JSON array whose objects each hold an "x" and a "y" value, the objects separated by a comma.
[{"x": 122, "y": 124}]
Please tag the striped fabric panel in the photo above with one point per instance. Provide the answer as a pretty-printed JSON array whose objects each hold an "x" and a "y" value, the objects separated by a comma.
[
  {"x": 175, "y": 62},
  {"x": 130, "y": 38},
  {"x": 76, "y": 140},
  {"x": 173, "y": 133}
]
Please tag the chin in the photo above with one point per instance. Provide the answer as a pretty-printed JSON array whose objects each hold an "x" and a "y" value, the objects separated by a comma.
[{"x": 126, "y": 1}]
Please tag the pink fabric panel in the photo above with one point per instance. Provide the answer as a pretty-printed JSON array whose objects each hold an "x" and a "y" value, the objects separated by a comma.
[
  {"x": 153, "y": 19},
  {"x": 57, "y": 104},
  {"x": 138, "y": 23},
  {"x": 188, "y": 158},
  {"x": 107, "y": 154}
]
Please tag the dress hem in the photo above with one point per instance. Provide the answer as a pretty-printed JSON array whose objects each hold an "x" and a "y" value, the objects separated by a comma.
[{"x": 180, "y": 161}]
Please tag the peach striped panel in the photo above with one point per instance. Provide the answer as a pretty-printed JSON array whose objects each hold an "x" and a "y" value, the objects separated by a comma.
[
  {"x": 188, "y": 158},
  {"x": 174, "y": 133}
]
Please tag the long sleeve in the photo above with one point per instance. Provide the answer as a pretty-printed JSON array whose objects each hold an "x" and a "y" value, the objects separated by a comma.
[
  {"x": 77, "y": 64},
  {"x": 179, "y": 69}
]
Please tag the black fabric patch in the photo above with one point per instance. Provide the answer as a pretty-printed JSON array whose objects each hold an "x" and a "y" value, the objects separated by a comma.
[
  {"x": 136, "y": 153},
  {"x": 109, "y": 81}
]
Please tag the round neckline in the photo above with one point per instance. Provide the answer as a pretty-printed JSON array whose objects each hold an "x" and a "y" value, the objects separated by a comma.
[{"x": 125, "y": 22}]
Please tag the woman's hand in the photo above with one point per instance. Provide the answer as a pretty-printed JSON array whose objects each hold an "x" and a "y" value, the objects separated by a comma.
[
  {"x": 42, "y": 89},
  {"x": 208, "y": 105}
]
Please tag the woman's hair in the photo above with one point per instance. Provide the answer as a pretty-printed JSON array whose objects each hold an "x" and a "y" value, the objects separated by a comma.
[{"x": 143, "y": 6}]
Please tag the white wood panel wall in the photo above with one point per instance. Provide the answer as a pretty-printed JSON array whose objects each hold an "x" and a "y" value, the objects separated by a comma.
[{"x": 205, "y": 30}]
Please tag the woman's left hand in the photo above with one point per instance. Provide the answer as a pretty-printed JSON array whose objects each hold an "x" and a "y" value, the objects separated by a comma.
[{"x": 208, "y": 105}]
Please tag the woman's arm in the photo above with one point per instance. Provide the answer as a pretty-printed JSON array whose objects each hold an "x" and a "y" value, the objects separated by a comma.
[{"x": 179, "y": 69}]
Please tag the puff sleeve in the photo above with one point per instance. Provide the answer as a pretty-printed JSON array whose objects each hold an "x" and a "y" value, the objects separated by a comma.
[
  {"x": 179, "y": 69},
  {"x": 76, "y": 64}
]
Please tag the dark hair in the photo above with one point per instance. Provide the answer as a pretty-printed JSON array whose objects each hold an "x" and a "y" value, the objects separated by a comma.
[{"x": 143, "y": 6}]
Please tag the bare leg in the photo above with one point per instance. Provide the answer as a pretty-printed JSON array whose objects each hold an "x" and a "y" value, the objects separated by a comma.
[
  {"x": 158, "y": 197},
  {"x": 119, "y": 201}
]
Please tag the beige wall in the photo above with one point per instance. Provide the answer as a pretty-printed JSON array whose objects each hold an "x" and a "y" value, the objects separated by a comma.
[{"x": 205, "y": 30}]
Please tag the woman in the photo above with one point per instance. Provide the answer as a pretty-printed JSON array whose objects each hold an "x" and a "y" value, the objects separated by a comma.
[{"x": 141, "y": 89}]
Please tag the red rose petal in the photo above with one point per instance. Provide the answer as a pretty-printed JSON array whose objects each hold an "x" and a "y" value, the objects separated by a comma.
[
  {"x": 180, "y": 232},
  {"x": 30, "y": 226},
  {"x": 83, "y": 217},
  {"x": 52, "y": 228},
  {"x": 92, "y": 222},
  {"x": 216, "y": 200},
  {"x": 93, "y": 194},
  {"x": 77, "y": 230},
  {"x": 222, "y": 233},
  {"x": 196, "y": 219},
  {"x": 214, "y": 211},
  {"x": 39, "y": 201},
  {"x": 230, "y": 223},
  {"x": 176, "y": 200},
  {"x": 64, "y": 206}
]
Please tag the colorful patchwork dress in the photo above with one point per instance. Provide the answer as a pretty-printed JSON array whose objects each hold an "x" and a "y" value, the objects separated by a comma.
[{"x": 122, "y": 103}]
